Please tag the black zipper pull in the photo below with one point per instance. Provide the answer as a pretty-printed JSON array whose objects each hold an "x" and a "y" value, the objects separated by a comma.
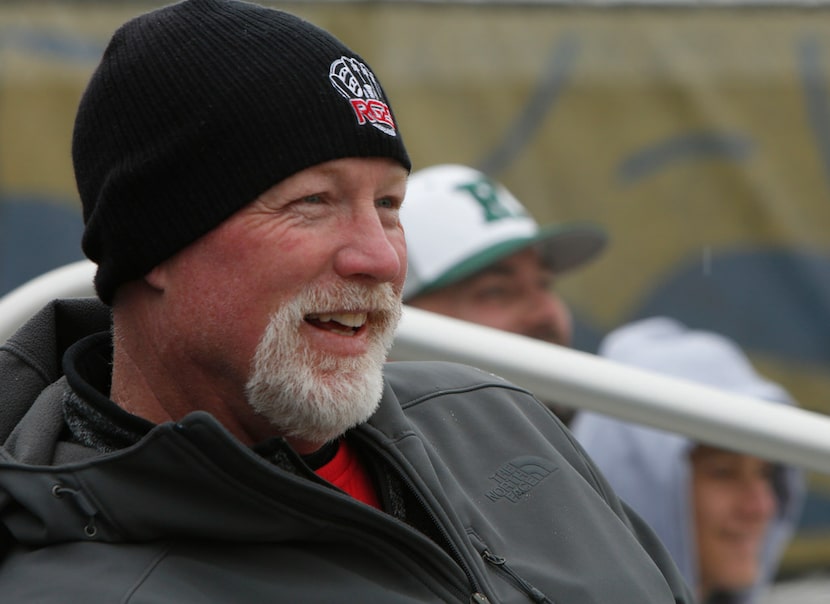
[{"x": 501, "y": 564}]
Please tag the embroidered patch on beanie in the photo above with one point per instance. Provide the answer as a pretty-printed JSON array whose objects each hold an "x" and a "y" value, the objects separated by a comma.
[{"x": 355, "y": 81}]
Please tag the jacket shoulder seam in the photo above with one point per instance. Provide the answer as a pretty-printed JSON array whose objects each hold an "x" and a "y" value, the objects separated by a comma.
[{"x": 462, "y": 390}]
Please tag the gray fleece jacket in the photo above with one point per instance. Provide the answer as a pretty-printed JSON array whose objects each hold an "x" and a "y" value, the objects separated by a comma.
[{"x": 490, "y": 500}]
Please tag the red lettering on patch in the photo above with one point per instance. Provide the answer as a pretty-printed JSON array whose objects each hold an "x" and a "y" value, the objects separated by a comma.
[{"x": 373, "y": 111}]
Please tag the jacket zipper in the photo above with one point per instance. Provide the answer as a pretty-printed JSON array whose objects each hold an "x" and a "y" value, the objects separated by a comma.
[
  {"x": 455, "y": 552},
  {"x": 501, "y": 565},
  {"x": 477, "y": 595}
]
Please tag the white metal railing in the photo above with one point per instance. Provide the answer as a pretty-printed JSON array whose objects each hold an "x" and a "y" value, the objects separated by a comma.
[
  {"x": 586, "y": 381},
  {"x": 569, "y": 377}
]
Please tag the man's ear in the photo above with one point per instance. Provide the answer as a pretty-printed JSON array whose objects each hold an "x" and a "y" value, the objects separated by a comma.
[{"x": 157, "y": 278}]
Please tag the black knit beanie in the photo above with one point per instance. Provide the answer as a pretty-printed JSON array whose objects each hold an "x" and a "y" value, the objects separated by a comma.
[{"x": 198, "y": 108}]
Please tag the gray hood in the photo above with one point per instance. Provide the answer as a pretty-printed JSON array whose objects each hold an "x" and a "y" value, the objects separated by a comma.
[{"x": 650, "y": 468}]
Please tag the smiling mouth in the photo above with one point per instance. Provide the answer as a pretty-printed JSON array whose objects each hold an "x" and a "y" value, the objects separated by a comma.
[{"x": 346, "y": 324}]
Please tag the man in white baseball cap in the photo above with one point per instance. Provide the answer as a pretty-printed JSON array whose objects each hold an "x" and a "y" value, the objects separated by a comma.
[{"x": 475, "y": 253}]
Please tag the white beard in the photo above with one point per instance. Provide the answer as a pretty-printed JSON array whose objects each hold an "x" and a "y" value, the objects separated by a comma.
[{"x": 314, "y": 396}]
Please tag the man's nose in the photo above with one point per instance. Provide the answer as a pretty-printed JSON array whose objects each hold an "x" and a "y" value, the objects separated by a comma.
[
  {"x": 370, "y": 249},
  {"x": 548, "y": 314},
  {"x": 758, "y": 498}
]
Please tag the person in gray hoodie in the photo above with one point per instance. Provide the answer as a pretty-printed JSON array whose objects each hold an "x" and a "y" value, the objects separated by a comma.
[{"x": 724, "y": 516}]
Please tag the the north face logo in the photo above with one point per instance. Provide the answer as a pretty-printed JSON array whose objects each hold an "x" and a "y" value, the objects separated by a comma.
[
  {"x": 517, "y": 478},
  {"x": 356, "y": 82}
]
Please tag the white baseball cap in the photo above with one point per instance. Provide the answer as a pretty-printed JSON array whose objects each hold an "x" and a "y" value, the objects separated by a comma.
[{"x": 458, "y": 221}]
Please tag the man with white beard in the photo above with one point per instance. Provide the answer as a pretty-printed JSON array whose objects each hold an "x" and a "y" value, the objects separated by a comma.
[{"x": 220, "y": 426}]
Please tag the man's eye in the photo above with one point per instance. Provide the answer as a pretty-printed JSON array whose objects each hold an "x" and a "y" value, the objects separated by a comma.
[
  {"x": 313, "y": 198},
  {"x": 494, "y": 292},
  {"x": 722, "y": 471},
  {"x": 387, "y": 202}
]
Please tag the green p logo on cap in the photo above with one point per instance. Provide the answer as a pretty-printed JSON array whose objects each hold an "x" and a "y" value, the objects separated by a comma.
[{"x": 485, "y": 192}]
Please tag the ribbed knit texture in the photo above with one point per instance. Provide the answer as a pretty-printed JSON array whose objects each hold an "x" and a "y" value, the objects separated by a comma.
[{"x": 198, "y": 108}]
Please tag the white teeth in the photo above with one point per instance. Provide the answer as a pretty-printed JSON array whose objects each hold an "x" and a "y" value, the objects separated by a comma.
[{"x": 347, "y": 319}]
